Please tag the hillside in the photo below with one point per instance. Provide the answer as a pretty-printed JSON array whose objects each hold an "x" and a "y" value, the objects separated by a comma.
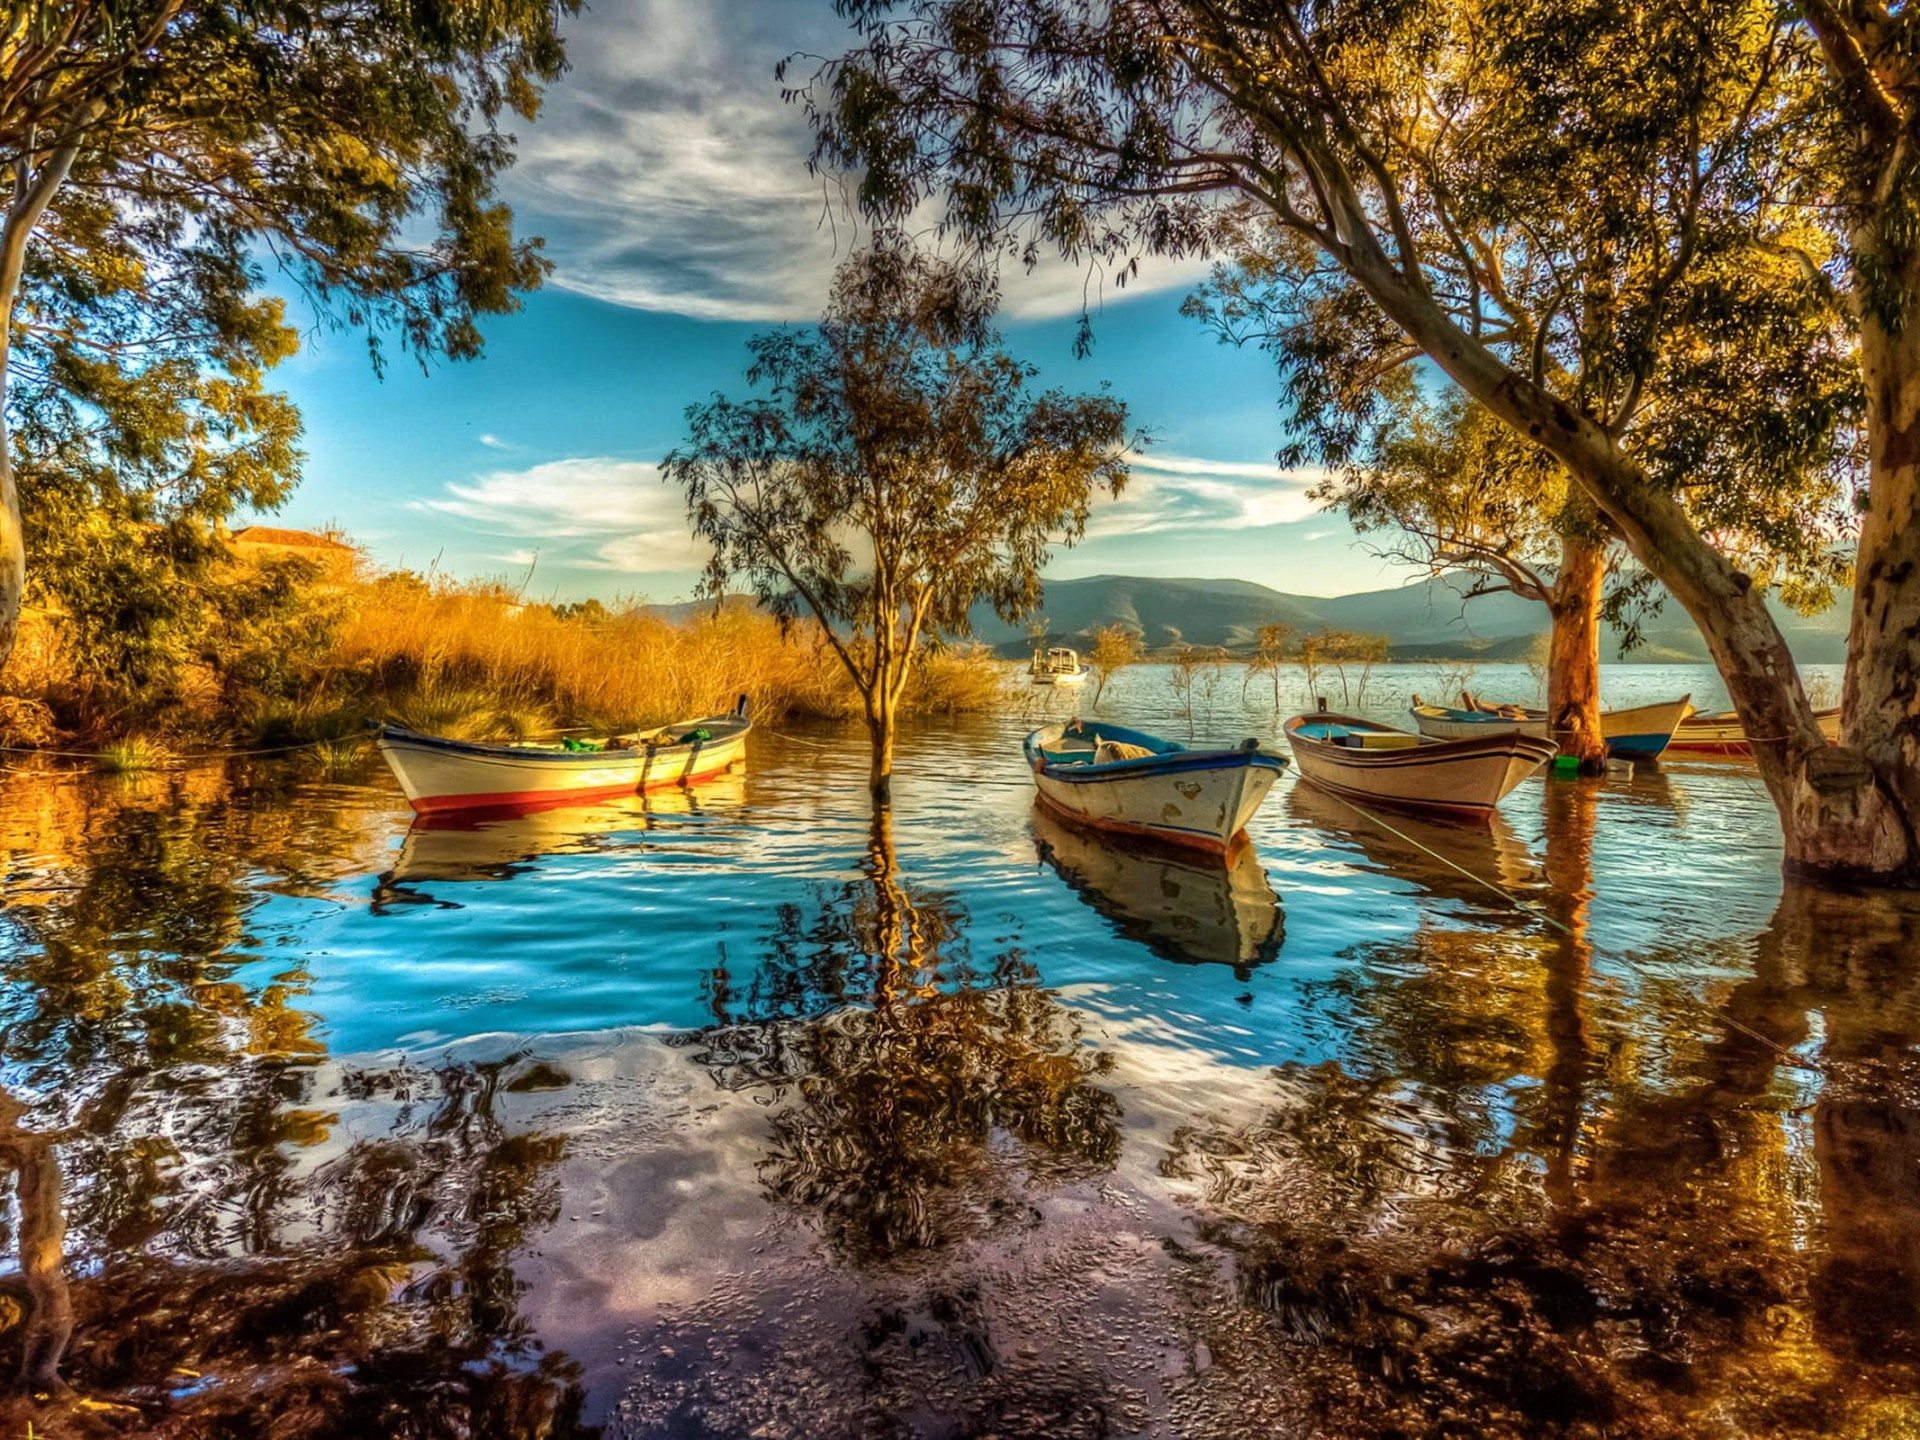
[{"x": 1425, "y": 620}]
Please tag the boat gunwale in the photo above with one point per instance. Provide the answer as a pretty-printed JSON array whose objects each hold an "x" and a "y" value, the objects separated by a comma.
[
  {"x": 1177, "y": 759},
  {"x": 1426, "y": 751},
  {"x": 400, "y": 735}
]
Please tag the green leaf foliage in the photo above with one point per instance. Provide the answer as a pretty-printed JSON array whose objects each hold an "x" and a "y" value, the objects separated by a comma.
[
  {"x": 172, "y": 164},
  {"x": 895, "y": 466},
  {"x": 1614, "y": 207}
]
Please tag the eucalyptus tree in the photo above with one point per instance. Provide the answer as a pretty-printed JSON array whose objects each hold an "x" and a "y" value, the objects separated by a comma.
[
  {"x": 1587, "y": 217},
  {"x": 896, "y": 470},
  {"x": 1459, "y": 495},
  {"x": 1871, "y": 112},
  {"x": 163, "y": 158}
]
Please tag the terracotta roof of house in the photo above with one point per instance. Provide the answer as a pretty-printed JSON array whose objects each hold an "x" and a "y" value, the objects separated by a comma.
[{"x": 297, "y": 539}]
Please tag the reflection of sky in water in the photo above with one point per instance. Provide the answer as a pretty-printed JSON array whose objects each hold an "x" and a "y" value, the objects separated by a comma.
[
  {"x": 1422, "y": 1058},
  {"x": 611, "y": 916}
]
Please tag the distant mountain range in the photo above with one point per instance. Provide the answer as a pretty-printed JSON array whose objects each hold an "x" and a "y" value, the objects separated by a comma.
[{"x": 1423, "y": 621}]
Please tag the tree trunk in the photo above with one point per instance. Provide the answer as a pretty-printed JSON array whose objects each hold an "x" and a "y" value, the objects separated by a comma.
[
  {"x": 1573, "y": 656},
  {"x": 880, "y": 724},
  {"x": 13, "y": 550},
  {"x": 1841, "y": 818},
  {"x": 1880, "y": 710}
]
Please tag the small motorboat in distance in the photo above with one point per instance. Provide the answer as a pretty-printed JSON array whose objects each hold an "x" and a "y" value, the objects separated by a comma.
[
  {"x": 440, "y": 774},
  {"x": 1375, "y": 764},
  {"x": 1722, "y": 733},
  {"x": 1134, "y": 783},
  {"x": 1638, "y": 733},
  {"x": 1059, "y": 666}
]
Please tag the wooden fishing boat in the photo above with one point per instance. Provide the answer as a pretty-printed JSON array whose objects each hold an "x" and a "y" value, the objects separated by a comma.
[
  {"x": 1640, "y": 732},
  {"x": 1059, "y": 666},
  {"x": 439, "y": 774},
  {"x": 1178, "y": 905},
  {"x": 1722, "y": 733},
  {"x": 1133, "y": 783},
  {"x": 1376, "y": 764}
]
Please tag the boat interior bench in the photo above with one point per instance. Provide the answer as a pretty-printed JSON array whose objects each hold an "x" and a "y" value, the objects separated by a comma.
[{"x": 1351, "y": 739}]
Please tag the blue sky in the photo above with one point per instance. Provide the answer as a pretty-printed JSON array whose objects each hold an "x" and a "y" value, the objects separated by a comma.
[{"x": 668, "y": 181}]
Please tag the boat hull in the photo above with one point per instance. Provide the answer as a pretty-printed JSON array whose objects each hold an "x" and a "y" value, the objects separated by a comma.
[
  {"x": 1641, "y": 732},
  {"x": 439, "y": 775},
  {"x": 1194, "y": 799},
  {"x": 1460, "y": 779},
  {"x": 1723, "y": 734},
  {"x": 1066, "y": 677}
]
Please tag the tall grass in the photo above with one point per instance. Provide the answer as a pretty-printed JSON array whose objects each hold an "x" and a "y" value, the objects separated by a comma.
[{"x": 474, "y": 661}]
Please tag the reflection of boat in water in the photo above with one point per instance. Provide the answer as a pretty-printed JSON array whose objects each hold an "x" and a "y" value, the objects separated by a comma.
[
  {"x": 1491, "y": 853},
  {"x": 500, "y": 844},
  {"x": 1178, "y": 907}
]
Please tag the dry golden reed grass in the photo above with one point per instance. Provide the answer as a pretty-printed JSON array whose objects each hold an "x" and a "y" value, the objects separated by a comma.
[
  {"x": 474, "y": 661},
  {"x": 472, "y": 658}
]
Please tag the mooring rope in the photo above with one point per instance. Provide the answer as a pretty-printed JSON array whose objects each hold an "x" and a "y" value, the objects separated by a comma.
[{"x": 1786, "y": 1055}]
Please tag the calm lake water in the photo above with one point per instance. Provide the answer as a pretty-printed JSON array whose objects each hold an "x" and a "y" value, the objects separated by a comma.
[{"x": 736, "y": 1113}]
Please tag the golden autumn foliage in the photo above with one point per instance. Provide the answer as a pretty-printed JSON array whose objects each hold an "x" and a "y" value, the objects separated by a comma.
[{"x": 474, "y": 660}]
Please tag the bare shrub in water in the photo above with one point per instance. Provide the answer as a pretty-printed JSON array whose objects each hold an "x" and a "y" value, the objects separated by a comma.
[{"x": 1114, "y": 648}]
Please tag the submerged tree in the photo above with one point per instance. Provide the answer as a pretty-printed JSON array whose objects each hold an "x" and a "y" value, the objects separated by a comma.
[
  {"x": 159, "y": 156},
  {"x": 1587, "y": 217},
  {"x": 1269, "y": 653},
  {"x": 897, "y": 471},
  {"x": 1114, "y": 648}
]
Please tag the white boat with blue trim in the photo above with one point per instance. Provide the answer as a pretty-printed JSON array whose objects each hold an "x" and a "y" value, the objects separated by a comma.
[
  {"x": 1373, "y": 764},
  {"x": 1640, "y": 732},
  {"x": 1133, "y": 783},
  {"x": 439, "y": 774}
]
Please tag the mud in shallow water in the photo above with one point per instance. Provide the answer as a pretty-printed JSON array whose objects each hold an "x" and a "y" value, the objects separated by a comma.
[{"x": 734, "y": 1114}]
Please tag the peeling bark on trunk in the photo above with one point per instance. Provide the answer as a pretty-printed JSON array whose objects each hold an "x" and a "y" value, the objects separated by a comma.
[
  {"x": 1842, "y": 818},
  {"x": 1880, "y": 711},
  {"x": 13, "y": 552},
  {"x": 1573, "y": 657}
]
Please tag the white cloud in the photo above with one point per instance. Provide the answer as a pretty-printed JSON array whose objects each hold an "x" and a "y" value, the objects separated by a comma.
[
  {"x": 586, "y": 513},
  {"x": 667, "y": 173},
  {"x": 493, "y": 442},
  {"x": 1184, "y": 493}
]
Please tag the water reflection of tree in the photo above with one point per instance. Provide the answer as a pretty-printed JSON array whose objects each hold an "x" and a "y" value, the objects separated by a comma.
[
  {"x": 901, "y": 1062},
  {"x": 1498, "y": 1212},
  {"x": 197, "y": 1241}
]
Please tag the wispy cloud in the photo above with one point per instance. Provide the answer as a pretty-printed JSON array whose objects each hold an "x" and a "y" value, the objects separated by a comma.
[
  {"x": 493, "y": 442},
  {"x": 1171, "y": 494},
  {"x": 585, "y": 513},
  {"x": 667, "y": 173}
]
